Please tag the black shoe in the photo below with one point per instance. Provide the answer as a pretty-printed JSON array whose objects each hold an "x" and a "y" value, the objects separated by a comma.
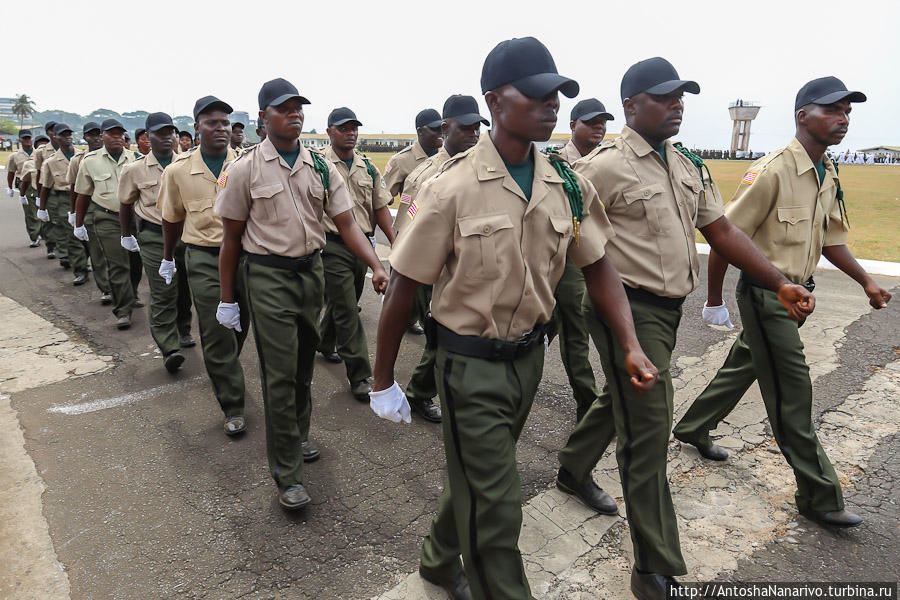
[
  {"x": 106, "y": 299},
  {"x": 186, "y": 341},
  {"x": 310, "y": 451},
  {"x": 235, "y": 425},
  {"x": 457, "y": 586},
  {"x": 80, "y": 279},
  {"x": 331, "y": 357},
  {"x": 711, "y": 452},
  {"x": 35, "y": 243},
  {"x": 427, "y": 408},
  {"x": 64, "y": 263},
  {"x": 589, "y": 493},
  {"x": 293, "y": 497},
  {"x": 138, "y": 303},
  {"x": 832, "y": 518},
  {"x": 51, "y": 255},
  {"x": 173, "y": 361},
  {"x": 653, "y": 586},
  {"x": 416, "y": 329},
  {"x": 123, "y": 322},
  {"x": 360, "y": 390}
]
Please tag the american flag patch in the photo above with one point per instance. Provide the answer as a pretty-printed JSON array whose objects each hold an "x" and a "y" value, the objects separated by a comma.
[
  {"x": 750, "y": 177},
  {"x": 412, "y": 210},
  {"x": 405, "y": 199},
  {"x": 222, "y": 179},
  {"x": 387, "y": 169}
]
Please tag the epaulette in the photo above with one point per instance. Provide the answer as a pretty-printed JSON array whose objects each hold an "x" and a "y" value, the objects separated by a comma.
[
  {"x": 453, "y": 160},
  {"x": 93, "y": 152},
  {"x": 182, "y": 156},
  {"x": 316, "y": 150},
  {"x": 407, "y": 149}
]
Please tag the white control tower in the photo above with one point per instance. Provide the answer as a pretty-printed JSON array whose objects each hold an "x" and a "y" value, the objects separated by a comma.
[{"x": 742, "y": 112}]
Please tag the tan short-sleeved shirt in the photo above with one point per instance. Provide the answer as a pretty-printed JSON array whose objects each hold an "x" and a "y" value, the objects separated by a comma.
[
  {"x": 283, "y": 206},
  {"x": 98, "y": 177},
  {"x": 367, "y": 195},
  {"x": 40, "y": 155},
  {"x": 570, "y": 152},
  {"x": 55, "y": 171},
  {"x": 29, "y": 171},
  {"x": 426, "y": 169},
  {"x": 495, "y": 258},
  {"x": 74, "y": 164},
  {"x": 187, "y": 193},
  {"x": 654, "y": 208},
  {"x": 16, "y": 162},
  {"x": 139, "y": 185},
  {"x": 401, "y": 165},
  {"x": 788, "y": 215}
]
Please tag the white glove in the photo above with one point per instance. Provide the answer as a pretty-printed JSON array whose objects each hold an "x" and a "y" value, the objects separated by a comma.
[
  {"x": 81, "y": 233},
  {"x": 717, "y": 315},
  {"x": 372, "y": 241},
  {"x": 229, "y": 315},
  {"x": 23, "y": 200},
  {"x": 43, "y": 215},
  {"x": 130, "y": 244},
  {"x": 391, "y": 404},
  {"x": 11, "y": 192},
  {"x": 167, "y": 270},
  {"x": 72, "y": 220}
]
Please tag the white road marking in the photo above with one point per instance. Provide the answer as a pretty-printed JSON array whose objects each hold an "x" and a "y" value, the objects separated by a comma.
[{"x": 95, "y": 405}]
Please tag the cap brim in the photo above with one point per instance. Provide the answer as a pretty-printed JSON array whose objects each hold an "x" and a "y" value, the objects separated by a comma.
[
  {"x": 543, "y": 84},
  {"x": 594, "y": 115},
  {"x": 90, "y": 130},
  {"x": 216, "y": 104},
  {"x": 840, "y": 95},
  {"x": 342, "y": 121},
  {"x": 162, "y": 126},
  {"x": 110, "y": 128},
  {"x": 667, "y": 87},
  {"x": 285, "y": 97},
  {"x": 470, "y": 119},
  {"x": 433, "y": 124}
]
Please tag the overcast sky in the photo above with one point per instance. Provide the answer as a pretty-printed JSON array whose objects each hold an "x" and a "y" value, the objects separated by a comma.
[{"x": 388, "y": 60}]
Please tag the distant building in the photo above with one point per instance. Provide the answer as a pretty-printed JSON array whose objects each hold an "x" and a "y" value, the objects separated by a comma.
[
  {"x": 890, "y": 150},
  {"x": 6, "y": 106}
]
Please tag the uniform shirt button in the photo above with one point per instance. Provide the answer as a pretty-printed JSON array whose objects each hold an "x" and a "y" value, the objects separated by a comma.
[
  {"x": 646, "y": 193},
  {"x": 487, "y": 229},
  {"x": 527, "y": 292},
  {"x": 793, "y": 221}
]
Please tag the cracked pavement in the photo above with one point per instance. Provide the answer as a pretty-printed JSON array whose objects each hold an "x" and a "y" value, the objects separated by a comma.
[{"x": 141, "y": 490}]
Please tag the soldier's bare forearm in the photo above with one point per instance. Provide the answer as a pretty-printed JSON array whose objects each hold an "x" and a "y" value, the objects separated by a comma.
[
  {"x": 81, "y": 206},
  {"x": 126, "y": 218},
  {"x": 398, "y": 302},
  {"x": 386, "y": 223},
  {"x": 356, "y": 241},
  {"x": 607, "y": 294},
  {"x": 715, "y": 268},
  {"x": 228, "y": 257},
  {"x": 171, "y": 235}
]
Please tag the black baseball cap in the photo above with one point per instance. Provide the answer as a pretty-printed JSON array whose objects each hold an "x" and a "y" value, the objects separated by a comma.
[
  {"x": 190, "y": 134},
  {"x": 139, "y": 132},
  {"x": 60, "y": 127},
  {"x": 526, "y": 64},
  {"x": 158, "y": 120},
  {"x": 112, "y": 124},
  {"x": 239, "y": 124},
  {"x": 428, "y": 118},
  {"x": 208, "y": 103},
  {"x": 342, "y": 115},
  {"x": 41, "y": 138},
  {"x": 276, "y": 91},
  {"x": 589, "y": 109},
  {"x": 49, "y": 125},
  {"x": 464, "y": 109},
  {"x": 24, "y": 133},
  {"x": 825, "y": 90},
  {"x": 90, "y": 126},
  {"x": 654, "y": 76}
]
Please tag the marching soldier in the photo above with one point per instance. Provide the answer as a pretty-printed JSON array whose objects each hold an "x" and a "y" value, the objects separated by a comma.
[
  {"x": 494, "y": 230},
  {"x": 143, "y": 140},
  {"x": 39, "y": 156},
  {"x": 791, "y": 204},
  {"x": 345, "y": 273},
  {"x": 428, "y": 141},
  {"x": 28, "y": 183},
  {"x": 170, "y": 305},
  {"x": 272, "y": 201},
  {"x": 15, "y": 168},
  {"x": 588, "y": 124},
  {"x": 185, "y": 141},
  {"x": 655, "y": 194},
  {"x": 237, "y": 136},
  {"x": 186, "y": 197}
]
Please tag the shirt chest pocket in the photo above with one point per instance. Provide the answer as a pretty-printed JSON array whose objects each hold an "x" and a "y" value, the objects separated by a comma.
[
  {"x": 693, "y": 194},
  {"x": 58, "y": 172},
  {"x": 642, "y": 205},
  {"x": 481, "y": 245},
  {"x": 364, "y": 186},
  {"x": 794, "y": 223},
  {"x": 149, "y": 192},
  {"x": 200, "y": 212},
  {"x": 560, "y": 236},
  {"x": 104, "y": 184},
  {"x": 265, "y": 201}
]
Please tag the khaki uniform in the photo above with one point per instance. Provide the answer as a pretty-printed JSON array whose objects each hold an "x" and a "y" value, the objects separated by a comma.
[
  {"x": 654, "y": 206},
  {"x": 283, "y": 208},
  {"x": 401, "y": 165},
  {"x": 570, "y": 152},
  {"x": 98, "y": 260},
  {"x": 790, "y": 217},
  {"x": 16, "y": 164},
  {"x": 98, "y": 178},
  {"x": 170, "y": 305},
  {"x": 69, "y": 249},
  {"x": 40, "y": 155},
  {"x": 413, "y": 183},
  {"x": 187, "y": 193},
  {"x": 341, "y": 327},
  {"x": 495, "y": 260}
]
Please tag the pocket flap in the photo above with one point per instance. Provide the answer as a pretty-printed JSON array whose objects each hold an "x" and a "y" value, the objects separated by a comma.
[
  {"x": 562, "y": 224},
  {"x": 695, "y": 184},
  {"x": 793, "y": 214},
  {"x": 266, "y": 191},
  {"x": 102, "y": 176},
  {"x": 483, "y": 224},
  {"x": 642, "y": 192},
  {"x": 147, "y": 184},
  {"x": 200, "y": 204},
  {"x": 364, "y": 181}
]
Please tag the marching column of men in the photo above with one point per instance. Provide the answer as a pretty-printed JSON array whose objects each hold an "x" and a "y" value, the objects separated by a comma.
[{"x": 496, "y": 248}]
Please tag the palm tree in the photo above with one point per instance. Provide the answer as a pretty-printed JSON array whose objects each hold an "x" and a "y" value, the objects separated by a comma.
[{"x": 23, "y": 107}]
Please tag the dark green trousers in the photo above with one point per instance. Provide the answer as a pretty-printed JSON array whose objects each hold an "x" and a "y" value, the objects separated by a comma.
[
  {"x": 95, "y": 251},
  {"x": 285, "y": 307},
  {"x": 485, "y": 405},
  {"x": 422, "y": 385},
  {"x": 341, "y": 327},
  {"x": 642, "y": 424},
  {"x": 574, "y": 342},
  {"x": 769, "y": 350},
  {"x": 123, "y": 268},
  {"x": 32, "y": 223},
  {"x": 221, "y": 345},
  {"x": 170, "y": 305},
  {"x": 55, "y": 230}
]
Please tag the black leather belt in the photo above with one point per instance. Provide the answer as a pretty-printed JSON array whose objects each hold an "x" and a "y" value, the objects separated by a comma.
[
  {"x": 747, "y": 279},
  {"x": 207, "y": 249},
  {"x": 479, "y": 347},
  {"x": 299, "y": 265},
  {"x": 151, "y": 226},
  {"x": 645, "y": 297},
  {"x": 100, "y": 208},
  {"x": 334, "y": 237}
]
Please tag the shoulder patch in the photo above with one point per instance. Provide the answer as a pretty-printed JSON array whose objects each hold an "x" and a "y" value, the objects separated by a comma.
[
  {"x": 223, "y": 178},
  {"x": 388, "y": 167},
  {"x": 750, "y": 177}
]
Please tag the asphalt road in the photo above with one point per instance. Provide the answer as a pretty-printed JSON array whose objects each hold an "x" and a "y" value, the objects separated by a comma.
[{"x": 148, "y": 498}]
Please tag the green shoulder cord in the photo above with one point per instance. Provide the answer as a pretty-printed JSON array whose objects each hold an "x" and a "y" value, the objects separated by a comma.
[
  {"x": 322, "y": 169},
  {"x": 573, "y": 190},
  {"x": 839, "y": 196},
  {"x": 697, "y": 162},
  {"x": 371, "y": 170}
]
